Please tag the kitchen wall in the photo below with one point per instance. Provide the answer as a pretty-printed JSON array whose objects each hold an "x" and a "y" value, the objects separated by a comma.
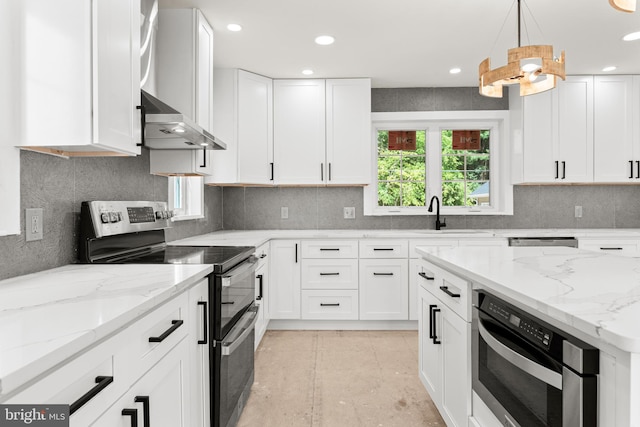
[{"x": 59, "y": 186}]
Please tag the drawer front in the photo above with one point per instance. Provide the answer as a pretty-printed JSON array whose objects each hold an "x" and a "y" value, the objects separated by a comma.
[
  {"x": 452, "y": 290},
  {"x": 384, "y": 249},
  {"x": 440, "y": 243},
  {"x": 329, "y": 305},
  {"x": 262, "y": 253},
  {"x": 329, "y": 249},
  {"x": 330, "y": 274},
  {"x": 621, "y": 247}
]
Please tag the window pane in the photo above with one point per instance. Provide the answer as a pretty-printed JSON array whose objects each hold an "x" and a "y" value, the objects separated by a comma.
[
  {"x": 413, "y": 193},
  {"x": 389, "y": 168},
  {"x": 388, "y": 194},
  {"x": 414, "y": 169},
  {"x": 479, "y": 193}
]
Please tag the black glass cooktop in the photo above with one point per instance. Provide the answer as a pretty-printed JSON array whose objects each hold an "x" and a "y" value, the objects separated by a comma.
[{"x": 222, "y": 257}]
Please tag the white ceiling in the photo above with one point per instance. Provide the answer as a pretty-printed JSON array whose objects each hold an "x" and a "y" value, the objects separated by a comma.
[{"x": 413, "y": 43}]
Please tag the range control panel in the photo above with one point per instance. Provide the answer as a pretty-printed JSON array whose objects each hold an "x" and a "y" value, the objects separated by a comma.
[
  {"x": 524, "y": 325},
  {"x": 117, "y": 217}
]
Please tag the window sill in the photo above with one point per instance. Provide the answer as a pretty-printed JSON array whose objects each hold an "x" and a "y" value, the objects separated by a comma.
[{"x": 443, "y": 212}]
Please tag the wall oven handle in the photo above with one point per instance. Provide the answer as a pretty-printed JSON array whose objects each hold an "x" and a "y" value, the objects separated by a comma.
[
  {"x": 538, "y": 371},
  {"x": 245, "y": 324}
]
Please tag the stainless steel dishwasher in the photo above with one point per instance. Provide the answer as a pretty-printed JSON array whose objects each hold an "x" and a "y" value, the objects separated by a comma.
[{"x": 570, "y": 242}]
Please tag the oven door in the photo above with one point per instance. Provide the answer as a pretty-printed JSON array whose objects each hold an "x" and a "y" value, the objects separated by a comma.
[
  {"x": 234, "y": 292},
  {"x": 520, "y": 383},
  {"x": 234, "y": 370}
]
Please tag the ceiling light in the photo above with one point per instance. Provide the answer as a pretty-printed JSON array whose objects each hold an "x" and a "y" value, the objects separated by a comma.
[
  {"x": 307, "y": 72},
  {"x": 325, "y": 40},
  {"x": 624, "y": 5},
  {"x": 632, "y": 36},
  {"x": 234, "y": 27},
  {"x": 492, "y": 81},
  {"x": 609, "y": 68},
  {"x": 455, "y": 70}
]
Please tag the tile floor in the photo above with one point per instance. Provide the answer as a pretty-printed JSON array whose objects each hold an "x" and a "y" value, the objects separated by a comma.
[{"x": 338, "y": 379}]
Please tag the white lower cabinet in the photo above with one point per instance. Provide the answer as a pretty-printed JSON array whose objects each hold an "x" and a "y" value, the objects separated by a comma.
[
  {"x": 284, "y": 293},
  {"x": 624, "y": 247},
  {"x": 330, "y": 304},
  {"x": 444, "y": 349},
  {"x": 199, "y": 312},
  {"x": 262, "y": 291},
  {"x": 384, "y": 289}
]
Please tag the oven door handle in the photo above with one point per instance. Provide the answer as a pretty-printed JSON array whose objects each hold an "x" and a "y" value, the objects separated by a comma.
[
  {"x": 240, "y": 331},
  {"x": 244, "y": 267},
  {"x": 538, "y": 371}
]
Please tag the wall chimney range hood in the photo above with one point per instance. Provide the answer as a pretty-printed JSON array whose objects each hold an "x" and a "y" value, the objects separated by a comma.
[{"x": 168, "y": 129}]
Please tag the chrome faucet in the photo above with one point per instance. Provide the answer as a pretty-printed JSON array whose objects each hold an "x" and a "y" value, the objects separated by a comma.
[{"x": 438, "y": 223}]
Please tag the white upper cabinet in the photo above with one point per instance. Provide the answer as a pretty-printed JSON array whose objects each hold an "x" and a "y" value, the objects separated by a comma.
[
  {"x": 185, "y": 82},
  {"x": 75, "y": 76},
  {"x": 243, "y": 118},
  {"x": 617, "y": 149},
  {"x": 558, "y": 133},
  {"x": 322, "y": 132}
]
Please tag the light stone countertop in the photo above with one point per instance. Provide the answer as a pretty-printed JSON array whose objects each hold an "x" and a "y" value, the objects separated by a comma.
[
  {"x": 49, "y": 316},
  {"x": 592, "y": 292}
]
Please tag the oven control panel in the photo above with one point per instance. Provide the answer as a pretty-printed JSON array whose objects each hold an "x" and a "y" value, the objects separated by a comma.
[
  {"x": 524, "y": 325},
  {"x": 111, "y": 218}
]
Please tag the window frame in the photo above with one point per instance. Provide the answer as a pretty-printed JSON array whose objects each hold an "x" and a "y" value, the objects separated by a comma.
[
  {"x": 434, "y": 122},
  {"x": 193, "y": 190}
]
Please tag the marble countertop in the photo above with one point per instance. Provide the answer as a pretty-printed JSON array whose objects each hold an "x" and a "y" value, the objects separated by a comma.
[
  {"x": 592, "y": 292},
  {"x": 49, "y": 316},
  {"x": 258, "y": 237}
]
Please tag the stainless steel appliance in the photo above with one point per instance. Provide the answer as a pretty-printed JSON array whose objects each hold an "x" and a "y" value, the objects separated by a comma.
[
  {"x": 133, "y": 232},
  {"x": 570, "y": 242},
  {"x": 528, "y": 372}
]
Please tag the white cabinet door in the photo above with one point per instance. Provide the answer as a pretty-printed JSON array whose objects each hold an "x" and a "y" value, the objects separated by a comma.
[
  {"x": 199, "y": 312},
  {"x": 180, "y": 162},
  {"x": 384, "y": 293},
  {"x": 204, "y": 73},
  {"x": 348, "y": 103},
  {"x": 299, "y": 131},
  {"x": 284, "y": 293},
  {"x": 430, "y": 360},
  {"x": 539, "y": 139},
  {"x": 615, "y": 157},
  {"x": 262, "y": 301}
]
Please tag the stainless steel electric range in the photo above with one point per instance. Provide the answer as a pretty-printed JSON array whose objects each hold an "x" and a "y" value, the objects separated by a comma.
[{"x": 134, "y": 232}]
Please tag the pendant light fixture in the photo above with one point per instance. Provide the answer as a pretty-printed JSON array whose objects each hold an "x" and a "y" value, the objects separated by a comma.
[
  {"x": 533, "y": 67},
  {"x": 624, "y": 5}
]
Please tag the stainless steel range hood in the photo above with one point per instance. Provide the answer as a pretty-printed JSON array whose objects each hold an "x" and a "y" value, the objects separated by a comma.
[{"x": 168, "y": 129}]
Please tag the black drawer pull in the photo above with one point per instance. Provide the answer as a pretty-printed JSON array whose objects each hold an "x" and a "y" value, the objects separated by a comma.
[
  {"x": 263, "y": 256},
  {"x": 333, "y": 304},
  {"x": 424, "y": 276},
  {"x": 329, "y": 249},
  {"x": 101, "y": 384},
  {"x": 431, "y": 320},
  {"x": 433, "y": 316},
  {"x": 610, "y": 249},
  {"x": 227, "y": 302},
  {"x": 133, "y": 413},
  {"x": 205, "y": 321},
  {"x": 383, "y": 249},
  {"x": 630, "y": 168},
  {"x": 176, "y": 324},
  {"x": 145, "y": 409},
  {"x": 329, "y": 274},
  {"x": 383, "y": 274},
  {"x": 446, "y": 290}
]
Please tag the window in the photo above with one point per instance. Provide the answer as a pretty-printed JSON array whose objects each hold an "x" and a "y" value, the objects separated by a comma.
[
  {"x": 455, "y": 155},
  {"x": 186, "y": 197}
]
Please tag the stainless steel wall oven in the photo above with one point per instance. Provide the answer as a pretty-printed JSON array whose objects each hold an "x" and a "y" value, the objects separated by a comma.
[
  {"x": 133, "y": 233},
  {"x": 528, "y": 372}
]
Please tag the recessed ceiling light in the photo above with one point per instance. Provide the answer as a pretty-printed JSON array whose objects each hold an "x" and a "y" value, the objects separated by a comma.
[
  {"x": 632, "y": 36},
  {"x": 609, "y": 68},
  {"x": 325, "y": 40},
  {"x": 455, "y": 70},
  {"x": 234, "y": 27},
  {"x": 307, "y": 72}
]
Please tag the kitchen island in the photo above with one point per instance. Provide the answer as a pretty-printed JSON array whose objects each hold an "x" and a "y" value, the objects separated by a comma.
[{"x": 593, "y": 296}]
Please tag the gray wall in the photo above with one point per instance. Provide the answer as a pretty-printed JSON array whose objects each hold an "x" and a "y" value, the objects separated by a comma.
[{"x": 59, "y": 186}]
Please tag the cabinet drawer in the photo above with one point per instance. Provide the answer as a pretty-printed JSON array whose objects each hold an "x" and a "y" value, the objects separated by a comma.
[
  {"x": 452, "y": 290},
  {"x": 330, "y": 305},
  {"x": 614, "y": 247},
  {"x": 330, "y": 249},
  {"x": 440, "y": 243},
  {"x": 330, "y": 274},
  {"x": 384, "y": 249}
]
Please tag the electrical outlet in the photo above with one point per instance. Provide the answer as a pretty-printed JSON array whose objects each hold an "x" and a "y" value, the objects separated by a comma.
[
  {"x": 33, "y": 222},
  {"x": 349, "y": 213},
  {"x": 284, "y": 212},
  {"x": 578, "y": 212}
]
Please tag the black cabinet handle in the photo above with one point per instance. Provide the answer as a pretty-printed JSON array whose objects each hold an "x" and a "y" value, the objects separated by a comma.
[
  {"x": 228, "y": 302},
  {"x": 143, "y": 124},
  {"x": 637, "y": 168},
  {"x": 176, "y": 324},
  {"x": 296, "y": 253},
  {"x": 446, "y": 290},
  {"x": 204, "y": 158},
  {"x": 383, "y": 274},
  {"x": 564, "y": 169},
  {"x": 431, "y": 307},
  {"x": 262, "y": 256},
  {"x": 260, "y": 280},
  {"x": 333, "y": 304},
  {"x": 145, "y": 409},
  {"x": 435, "y": 337},
  {"x": 321, "y": 171},
  {"x": 330, "y": 249},
  {"x": 557, "y": 173},
  {"x": 133, "y": 413},
  {"x": 271, "y": 179},
  {"x": 329, "y": 171},
  {"x": 382, "y": 249},
  {"x": 424, "y": 276},
  {"x": 101, "y": 384},
  {"x": 329, "y": 274},
  {"x": 630, "y": 168},
  {"x": 205, "y": 322},
  {"x": 610, "y": 249}
]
